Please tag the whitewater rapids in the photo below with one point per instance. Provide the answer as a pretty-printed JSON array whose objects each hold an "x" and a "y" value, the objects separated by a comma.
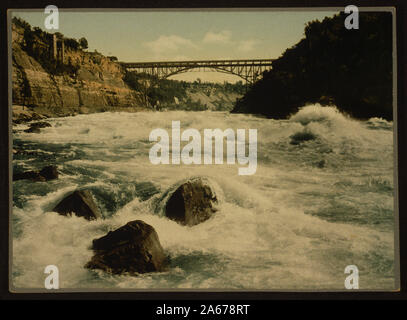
[{"x": 313, "y": 206}]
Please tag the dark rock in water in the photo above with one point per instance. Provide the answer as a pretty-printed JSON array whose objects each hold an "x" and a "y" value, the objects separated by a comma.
[
  {"x": 49, "y": 172},
  {"x": 33, "y": 130},
  {"x": 191, "y": 203},
  {"x": 133, "y": 248},
  {"x": 320, "y": 164},
  {"x": 300, "y": 137},
  {"x": 18, "y": 151},
  {"x": 35, "y": 127},
  {"x": 80, "y": 203},
  {"x": 28, "y": 175},
  {"x": 40, "y": 124}
]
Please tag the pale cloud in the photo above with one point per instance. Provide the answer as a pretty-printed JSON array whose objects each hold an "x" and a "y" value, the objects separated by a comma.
[
  {"x": 220, "y": 37},
  {"x": 177, "y": 58},
  {"x": 224, "y": 37},
  {"x": 246, "y": 45},
  {"x": 171, "y": 43},
  {"x": 174, "y": 47}
]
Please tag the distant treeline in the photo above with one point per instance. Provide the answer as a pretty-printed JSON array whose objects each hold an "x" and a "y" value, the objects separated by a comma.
[
  {"x": 173, "y": 94},
  {"x": 331, "y": 65}
]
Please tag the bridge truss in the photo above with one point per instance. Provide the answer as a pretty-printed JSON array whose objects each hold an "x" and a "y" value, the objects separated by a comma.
[{"x": 249, "y": 70}]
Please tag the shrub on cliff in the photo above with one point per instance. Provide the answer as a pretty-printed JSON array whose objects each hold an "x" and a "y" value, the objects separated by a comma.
[
  {"x": 350, "y": 68},
  {"x": 21, "y": 23},
  {"x": 71, "y": 43}
]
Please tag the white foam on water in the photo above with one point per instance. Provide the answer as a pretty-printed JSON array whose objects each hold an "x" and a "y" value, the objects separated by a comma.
[{"x": 292, "y": 225}]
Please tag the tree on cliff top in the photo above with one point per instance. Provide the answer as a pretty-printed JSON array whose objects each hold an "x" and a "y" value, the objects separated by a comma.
[
  {"x": 350, "y": 68},
  {"x": 83, "y": 43}
]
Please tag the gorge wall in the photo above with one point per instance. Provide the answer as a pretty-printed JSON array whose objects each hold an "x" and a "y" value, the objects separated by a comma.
[{"x": 90, "y": 82}]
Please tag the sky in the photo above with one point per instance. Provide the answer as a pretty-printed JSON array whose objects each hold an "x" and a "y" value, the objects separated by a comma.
[{"x": 158, "y": 35}]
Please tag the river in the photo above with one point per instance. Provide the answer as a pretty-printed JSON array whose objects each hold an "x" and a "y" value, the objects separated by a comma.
[{"x": 313, "y": 206}]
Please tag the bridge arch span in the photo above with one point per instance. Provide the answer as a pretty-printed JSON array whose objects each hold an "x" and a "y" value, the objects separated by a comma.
[
  {"x": 185, "y": 70},
  {"x": 248, "y": 70}
]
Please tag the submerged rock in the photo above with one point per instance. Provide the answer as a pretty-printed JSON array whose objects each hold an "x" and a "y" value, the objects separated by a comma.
[
  {"x": 80, "y": 203},
  {"x": 133, "y": 248},
  {"x": 45, "y": 174},
  {"x": 40, "y": 124},
  {"x": 28, "y": 175},
  {"x": 35, "y": 127},
  {"x": 49, "y": 172},
  {"x": 32, "y": 130},
  {"x": 191, "y": 203},
  {"x": 320, "y": 164}
]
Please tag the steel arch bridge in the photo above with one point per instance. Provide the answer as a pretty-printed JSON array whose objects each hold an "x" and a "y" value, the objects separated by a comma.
[{"x": 249, "y": 69}]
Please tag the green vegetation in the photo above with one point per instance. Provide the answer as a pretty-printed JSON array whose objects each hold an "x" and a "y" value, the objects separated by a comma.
[
  {"x": 71, "y": 43},
  {"x": 38, "y": 44},
  {"x": 21, "y": 23},
  {"x": 83, "y": 43},
  {"x": 156, "y": 93},
  {"x": 173, "y": 94},
  {"x": 226, "y": 87},
  {"x": 331, "y": 65}
]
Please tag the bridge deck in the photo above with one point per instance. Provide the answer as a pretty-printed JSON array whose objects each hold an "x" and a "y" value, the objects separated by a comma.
[{"x": 199, "y": 63}]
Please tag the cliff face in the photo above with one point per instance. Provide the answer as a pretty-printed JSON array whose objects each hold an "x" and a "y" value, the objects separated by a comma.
[{"x": 96, "y": 85}]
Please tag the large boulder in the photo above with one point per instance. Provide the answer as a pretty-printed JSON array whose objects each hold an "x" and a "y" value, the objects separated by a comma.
[
  {"x": 192, "y": 202},
  {"x": 133, "y": 248},
  {"x": 45, "y": 174},
  {"x": 81, "y": 203}
]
